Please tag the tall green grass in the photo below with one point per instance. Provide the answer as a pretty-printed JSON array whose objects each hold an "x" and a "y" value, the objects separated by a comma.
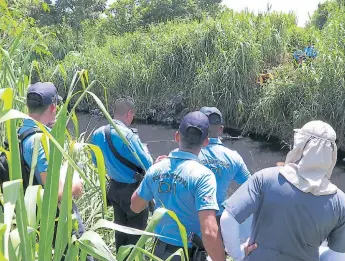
[
  {"x": 27, "y": 220},
  {"x": 182, "y": 65},
  {"x": 298, "y": 95},
  {"x": 212, "y": 61}
]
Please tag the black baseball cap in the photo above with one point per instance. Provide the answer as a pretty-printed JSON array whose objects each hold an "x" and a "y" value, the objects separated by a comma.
[
  {"x": 213, "y": 114},
  {"x": 42, "y": 93},
  {"x": 197, "y": 121}
]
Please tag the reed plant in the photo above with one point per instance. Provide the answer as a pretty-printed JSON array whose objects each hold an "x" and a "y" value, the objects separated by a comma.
[
  {"x": 214, "y": 61},
  {"x": 28, "y": 218}
]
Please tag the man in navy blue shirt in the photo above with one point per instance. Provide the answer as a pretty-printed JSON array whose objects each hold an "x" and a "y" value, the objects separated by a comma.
[
  {"x": 183, "y": 185},
  {"x": 123, "y": 180}
]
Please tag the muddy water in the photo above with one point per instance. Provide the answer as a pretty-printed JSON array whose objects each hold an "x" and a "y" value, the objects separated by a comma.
[{"x": 257, "y": 154}]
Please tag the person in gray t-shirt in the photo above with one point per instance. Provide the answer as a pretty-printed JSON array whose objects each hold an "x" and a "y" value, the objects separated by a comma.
[{"x": 295, "y": 207}]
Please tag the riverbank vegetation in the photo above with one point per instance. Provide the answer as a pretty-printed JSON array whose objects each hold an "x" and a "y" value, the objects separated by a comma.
[
  {"x": 171, "y": 57},
  {"x": 177, "y": 60}
]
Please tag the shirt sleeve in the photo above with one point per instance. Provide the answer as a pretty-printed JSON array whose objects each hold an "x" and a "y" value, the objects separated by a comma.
[
  {"x": 205, "y": 193},
  {"x": 230, "y": 230},
  {"x": 42, "y": 163},
  {"x": 144, "y": 191},
  {"x": 327, "y": 254},
  {"x": 336, "y": 240},
  {"x": 94, "y": 142},
  {"x": 144, "y": 156},
  {"x": 246, "y": 200},
  {"x": 242, "y": 174}
]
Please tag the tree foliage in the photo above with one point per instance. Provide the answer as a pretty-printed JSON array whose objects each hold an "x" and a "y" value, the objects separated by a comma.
[{"x": 127, "y": 15}]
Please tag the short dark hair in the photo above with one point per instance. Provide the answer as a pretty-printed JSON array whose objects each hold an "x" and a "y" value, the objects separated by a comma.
[
  {"x": 124, "y": 105},
  {"x": 34, "y": 105},
  {"x": 188, "y": 143}
]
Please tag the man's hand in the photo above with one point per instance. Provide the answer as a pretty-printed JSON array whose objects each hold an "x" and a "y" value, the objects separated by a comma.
[
  {"x": 160, "y": 158},
  {"x": 249, "y": 248},
  {"x": 77, "y": 189}
]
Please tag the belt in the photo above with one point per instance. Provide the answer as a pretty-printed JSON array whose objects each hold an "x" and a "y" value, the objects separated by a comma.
[
  {"x": 171, "y": 248},
  {"x": 124, "y": 185}
]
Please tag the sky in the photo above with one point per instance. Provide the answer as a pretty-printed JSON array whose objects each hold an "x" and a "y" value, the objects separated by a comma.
[{"x": 302, "y": 8}]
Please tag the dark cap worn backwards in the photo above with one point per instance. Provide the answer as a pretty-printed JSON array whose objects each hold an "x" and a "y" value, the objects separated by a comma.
[
  {"x": 42, "y": 93},
  {"x": 213, "y": 114},
  {"x": 194, "y": 127}
]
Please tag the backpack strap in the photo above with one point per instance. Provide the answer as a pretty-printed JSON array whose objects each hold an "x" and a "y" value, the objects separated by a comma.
[
  {"x": 25, "y": 166},
  {"x": 122, "y": 159},
  {"x": 29, "y": 132}
]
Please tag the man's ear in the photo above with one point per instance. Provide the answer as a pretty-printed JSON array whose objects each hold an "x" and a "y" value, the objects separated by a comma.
[
  {"x": 206, "y": 141},
  {"x": 177, "y": 136},
  {"x": 220, "y": 131},
  {"x": 53, "y": 107}
]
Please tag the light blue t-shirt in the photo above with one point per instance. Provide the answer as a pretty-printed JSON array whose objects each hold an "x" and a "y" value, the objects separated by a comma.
[
  {"x": 181, "y": 184},
  {"x": 28, "y": 147},
  {"x": 116, "y": 170},
  {"x": 310, "y": 52},
  {"x": 226, "y": 164}
]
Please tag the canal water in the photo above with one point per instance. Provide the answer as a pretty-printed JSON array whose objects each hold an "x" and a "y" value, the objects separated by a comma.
[{"x": 256, "y": 152}]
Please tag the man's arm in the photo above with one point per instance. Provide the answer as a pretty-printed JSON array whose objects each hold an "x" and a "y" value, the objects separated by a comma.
[
  {"x": 242, "y": 174},
  {"x": 142, "y": 195},
  {"x": 44, "y": 179},
  {"x": 42, "y": 167},
  {"x": 211, "y": 235},
  {"x": 336, "y": 242},
  {"x": 138, "y": 204},
  {"x": 244, "y": 202},
  {"x": 206, "y": 205},
  {"x": 232, "y": 240},
  {"x": 329, "y": 255},
  {"x": 77, "y": 186},
  {"x": 143, "y": 154}
]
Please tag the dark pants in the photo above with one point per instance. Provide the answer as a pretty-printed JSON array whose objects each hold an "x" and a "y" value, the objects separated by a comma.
[
  {"x": 164, "y": 250},
  {"x": 119, "y": 196},
  {"x": 78, "y": 234}
]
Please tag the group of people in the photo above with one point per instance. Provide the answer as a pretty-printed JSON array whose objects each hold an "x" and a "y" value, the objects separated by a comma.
[
  {"x": 294, "y": 208},
  {"x": 309, "y": 53}
]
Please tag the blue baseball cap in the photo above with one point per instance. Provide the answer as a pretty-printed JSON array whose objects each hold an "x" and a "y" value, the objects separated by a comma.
[
  {"x": 197, "y": 121},
  {"x": 213, "y": 114},
  {"x": 42, "y": 93}
]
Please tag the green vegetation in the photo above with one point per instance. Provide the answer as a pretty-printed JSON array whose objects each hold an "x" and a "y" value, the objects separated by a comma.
[
  {"x": 171, "y": 56},
  {"x": 215, "y": 58},
  {"x": 27, "y": 219}
]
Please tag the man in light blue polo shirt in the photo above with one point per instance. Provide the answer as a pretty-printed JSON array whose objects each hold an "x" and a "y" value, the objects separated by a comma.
[
  {"x": 42, "y": 99},
  {"x": 181, "y": 184},
  {"x": 123, "y": 179},
  {"x": 226, "y": 164}
]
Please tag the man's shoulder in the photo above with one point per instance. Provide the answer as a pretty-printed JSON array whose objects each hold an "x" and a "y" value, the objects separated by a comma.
[
  {"x": 159, "y": 167},
  {"x": 124, "y": 130},
  {"x": 268, "y": 173},
  {"x": 197, "y": 169},
  {"x": 99, "y": 130}
]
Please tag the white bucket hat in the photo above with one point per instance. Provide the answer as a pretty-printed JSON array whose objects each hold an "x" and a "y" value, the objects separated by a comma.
[{"x": 309, "y": 165}]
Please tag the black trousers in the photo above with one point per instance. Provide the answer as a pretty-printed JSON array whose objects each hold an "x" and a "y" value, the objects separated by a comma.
[
  {"x": 78, "y": 234},
  {"x": 119, "y": 196},
  {"x": 164, "y": 250}
]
